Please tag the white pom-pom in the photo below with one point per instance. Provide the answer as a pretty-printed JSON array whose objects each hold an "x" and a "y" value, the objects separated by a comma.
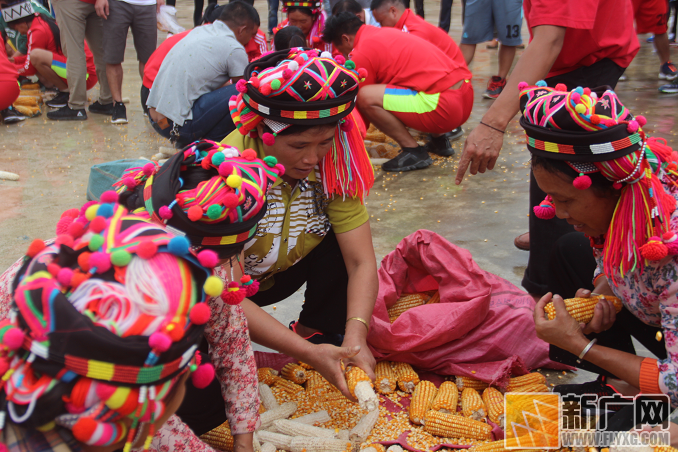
[
  {"x": 326, "y": 54},
  {"x": 230, "y": 153},
  {"x": 293, "y": 66}
]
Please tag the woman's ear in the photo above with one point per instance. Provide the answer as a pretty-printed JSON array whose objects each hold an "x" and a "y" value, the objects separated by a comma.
[{"x": 260, "y": 130}]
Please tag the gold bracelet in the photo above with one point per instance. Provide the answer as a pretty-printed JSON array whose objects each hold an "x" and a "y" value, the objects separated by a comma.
[{"x": 363, "y": 321}]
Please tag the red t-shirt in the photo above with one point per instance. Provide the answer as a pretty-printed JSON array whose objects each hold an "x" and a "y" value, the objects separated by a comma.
[
  {"x": 415, "y": 25},
  {"x": 257, "y": 46},
  {"x": 8, "y": 71},
  {"x": 417, "y": 65},
  {"x": 158, "y": 56},
  {"x": 596, "y": 29}
]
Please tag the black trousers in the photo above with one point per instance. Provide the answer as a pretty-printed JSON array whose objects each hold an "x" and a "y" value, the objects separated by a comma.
[
  {"x": 418, "y": 7},
  {"x": 544, "y": 233},
  {"x": 445, "y": 18},
  {"x": 324, "y": 272}
]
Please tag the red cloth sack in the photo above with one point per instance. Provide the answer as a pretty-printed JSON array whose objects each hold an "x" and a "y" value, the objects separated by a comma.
[{"x": 482, "y": 327}]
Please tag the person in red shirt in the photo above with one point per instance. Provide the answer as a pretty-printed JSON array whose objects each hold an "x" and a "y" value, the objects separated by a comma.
[
  {"x": 9, "y": 87},
  {"x": 153, "y": 65},
  {"x": 309, "y": 16},
  {"x": 407, "y": 82},
  {"x": 652, "y": 16}
]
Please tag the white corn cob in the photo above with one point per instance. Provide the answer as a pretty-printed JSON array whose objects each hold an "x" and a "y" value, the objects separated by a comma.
[
  {"x": 307, "y": 444},
  {"x": 6, "y": 175},
  {"x": 267, "y": 397},
  {"x": 368, "y": 449},
  {"x": 394, "y": 448},
  {"x": 366, "y": 396},
  {"x": 268, "y": 447},
  {"x": 256, "y": 445},
  {"x": 362, "y": 429},
  {"x": 282, "y": 412},
  {"x": 292, "y": 428},
  {"x": 344, "y": 435},
  {"x": 282, "y": 442},
  {"x": 314, "y": 418}
]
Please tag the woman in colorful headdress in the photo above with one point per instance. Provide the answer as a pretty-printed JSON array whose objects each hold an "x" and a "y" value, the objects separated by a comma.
[
  {"x": 102, "y": 334},
  {"x": 618, "y": 187},
  {"x": 309, "y": 16}
]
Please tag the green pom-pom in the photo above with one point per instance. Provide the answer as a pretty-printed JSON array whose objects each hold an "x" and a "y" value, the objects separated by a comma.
[
  {"x": 203, "y": 154},
  {"x": 96, "y": 242},
  {"x": 193, "y": 367},
  {"x": 275, "y": 85},
  {"x": 270, "y": 161},
  {"x": 349, "y": 65},
  {"x": 218, "y": 158},
  {"x": 214, "y": 211},
  {"x": 120, "y": 258}
]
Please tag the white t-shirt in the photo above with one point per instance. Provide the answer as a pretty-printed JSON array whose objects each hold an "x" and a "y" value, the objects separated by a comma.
[{"x": 140, "y": 2}]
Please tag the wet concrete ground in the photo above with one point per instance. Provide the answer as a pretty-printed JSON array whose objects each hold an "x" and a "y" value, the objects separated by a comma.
[{"x": 484, "y": 214}]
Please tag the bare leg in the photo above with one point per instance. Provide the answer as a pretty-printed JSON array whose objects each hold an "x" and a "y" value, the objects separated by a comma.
[
  {"x": 468, "y": 50},
  {"x": 371, "y": 106},
  {"x": 42, "y": 61},
  {"x": 114, "y": 75},
  {"x": 506, "y": 56},
  {"x": 661, "y": 44}
]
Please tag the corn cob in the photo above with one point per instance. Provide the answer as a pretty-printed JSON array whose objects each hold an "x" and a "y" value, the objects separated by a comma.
[
  {"x": 455, "y": 426},
  {"x": 306, "y": 366},
  {"x": 282, "y": 412},
  {"x": 494, "y": 402},
  {"x": 267, "y": 375},
  {"x": 28, "y": 111},
  {"x": 293, "y": 428},
  {"x": 665, "y": 449},
  {"x": 407, "y": 377},
  {"x": 344, "y": 435},
  {"x": 378, "y": 447},
  {"x": 288, "y": 386},
  {"x": 362, "y": 429},
  {"x": 368, "y": 449},
  {"x": 314, "y": 418},
  {"x": 219, "y": 438},
  {"x": 262, "y": 408},
  {"x": 28, "y": 86},
  {"x": 447, "y": 398},
  {"x": 281, "y": 442},
  {"x": 294, "y": 373},
  {"x": 435, "y": 298},
  {"x": 386, "y": 377},
  {"x": 517, "y": 383},
  {"x": 268, "y": 447},
  {"x": 469, "y": 382},
  {"x": 404, "y": 303},
  {"x": 361, "y": 388},
  {"x": 256, "y": 445},
  {"x": 394, "y": 448},
  {"x": 306, "y": 444},
  {"x": 472, "y": 404},
  {"x": 268, "y": 400},
  {"x": 536, "y": 387},
  {"x": 26, "y": 101},
  {"x": 581, "y": 309},
  {"x": 500, "y": 446},
  {"x": 317, "y": 385},
  {"x": 421, "y": 402}
]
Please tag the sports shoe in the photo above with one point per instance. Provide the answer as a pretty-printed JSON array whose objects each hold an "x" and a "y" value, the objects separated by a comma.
[
  {"x": 58, "y": 101},
  {"x": 66, "y": 113},
  {"x": 98, "y": 107},
  {"x": 622, "y": 78},
  {"x": 409, "y": 159},
  {"x": 650, "y": 39},
  {"x": 440, "y": 146},
  {"x": 11, "y": 116},
  {"x": 455, "y": 134},
  {"x": 598, "y": 387},
  {"x": 494, "y": 87},
  {"x": 669, "y": 89},
  {"x": 119, "y": 113},
  {"x": 668, "y": 71},
  {"x": 320, "y": 338}
]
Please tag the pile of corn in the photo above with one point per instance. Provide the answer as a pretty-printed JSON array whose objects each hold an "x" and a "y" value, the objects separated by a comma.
[
  {"x": 29, "y": 101},
  {"x": 409, "y": 301}
]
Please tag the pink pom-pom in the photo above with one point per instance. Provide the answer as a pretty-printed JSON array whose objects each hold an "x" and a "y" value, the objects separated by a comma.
[
  {"x": 226, "y": 169},
  {"x": 233, "y": 298},
  {"x": 63, "y": 224},
  {"x": 53, "y": 269},
  {"x": 654, "y": 249},
  {"x": 633, "y": 126},
  {"x": 544, "y": 211},
  {"x": 347, "y": 125},
  {"x": 208, "y": 258},
  {"x": 64, "y": 239},
  {"x": 97, "y": 225},
  {"x": 146, "y": 249},
  {"x": 561, "y": 87},
  {"x": 287, "y": 74},
  {"x": 672, "y": 248},
  {"x": 241, "y": 86},
  {"x": 195, "y": 213},
  {"x": 669, "y": 237},
  {"x": 582, "y": 182},
  {"x": 129, "y": 182},
  {"x": 104, "y": 391},
  {"x": 71, "y": 213},
  {"x": 265, "y": 89},
  {"x": 641, "y": 120},
  {"x": 110, "y": 196},
  {"x": 232, "y": 285},
  {"x": 13, "y": 338},
  {"x": 252, "y": 289},
  {"x": 200, "y": 314},
  {"x": 279, "y": 168},
  {"x": 575, "y": 96},
  {"x": 76, "y": 229},
  {"x": 148, "y": 169},
  {"x": 312, "y": 53},
  {"x": 203, "y": 376},
  {"x": 165, "y": 213},
  {"x": 65, "y": 276},
  {"x": 609, "y": 122},
  {"x": 100, "y": 261},
  {"x": 254, "y": 81},
  {"x": 160, "y": 341},
  {"x": 340, "y": 59},
  {"x": 522, "y": 86},
  {"x": 587, "y": 91},
  {"x": 268, "y": 139},
  {"x": 617, "y": 185},
  {"x": 231, "y": 200},
  {"x": 85, "y": 206}
]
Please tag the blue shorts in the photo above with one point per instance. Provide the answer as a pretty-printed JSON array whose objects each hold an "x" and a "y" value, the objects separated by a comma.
[{"x": 483, "y": 16}]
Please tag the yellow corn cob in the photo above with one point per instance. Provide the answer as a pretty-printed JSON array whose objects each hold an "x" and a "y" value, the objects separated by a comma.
[
  {"x": 262, "y": 408},
  {"x": 362, "y": 429},
  {"x": 267, "y": 398},
  {"x": 665, "y": 449},
  {"x": 455, "y": 426},
  {"x": 317, "y": 385},
  {"x": 30, "y": 86},
  {"x": 536, "y": 387},
  {"x": 469, "y": 382},
  {"x": 306, "y": 366},
  {"x": 282, "y": 412},
  {"x": 500, "y": 446},
  {"x": 447, "y": 398},
  {"x": 435, "y": 298},
  {"x": 26, "y": 101},
  {"x": 494, "y": 402},
  {"x": 407, "y": 377},
  {"x": 472, "y": 404},
  {"x": 361, "y": 387},
  {"x": 293, "y": 428},
  {"x": 386, "y": 377},
  {"x": 280, "y": 441},
  {"x": 219, "y": 438},
  {"x": 581, "y": 309},
  {"x": 28, "y": 111},
  {"x": 306, "y": 444},
  {"x": 421, "y": 402},
  {"x": 404, "y": 303},
  {"x": 288, "y": 386},
  {"x": 267, "y": 375},
  {"x": 31, "y": 92},
  {"x": 516, "y": 383},
  {"x": 546, "y": 404},
  {"x": 294, "y": 373},
  {"x": 314, "y": 418}
]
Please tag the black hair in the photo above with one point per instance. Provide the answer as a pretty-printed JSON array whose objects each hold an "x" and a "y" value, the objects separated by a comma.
[
  {"x": 301, "y": 9},
  {"x": 51, "y": 23},
  {"x": 600, "y": 184},
  {"x": 343, "y": 23},
  {"x": 347, "y": 5},
  {"x": 297, "y": 129},
  {"x": 249, "y": 2},
  {"x": 376, "y": 4},
  {"x": 289, "y": 37},
  {"x": 212, "y": 13},
  {"x": 239, "y": 14}
]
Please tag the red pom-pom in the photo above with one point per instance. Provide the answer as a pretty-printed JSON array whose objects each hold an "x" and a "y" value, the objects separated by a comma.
[
  {"x": 78, "y": 278},
  {"x": 287, "y": 74},
  {"x": 617, "y": 185},
  {"x": 83, "y": 261},
  {"x": 669, "y": 237},
  {"x": 53, "y": 269},
  {"x": 609, "y": 122},
  {"x": 654, "y": 249},
  {"x": 129, "y": 182},
  {"x": 64, "y": 239},
  {"x": 233, "y": 298},
  {"x": 522, "y": 86},
  {"x": 232, "y": 285},
  {"x": 252, "y": 289},
  {"x": 97, "y": 225},
  {"x": 208, "y": 258},
  {"x": 582, "y": 182},
  {"x": 160, "y": 341},
  {"x": 362, "y": 72},
  {"x": 641, "y": 120},
  {"x": 561, "y": 87},
  {"x": 587, "y": 91},
  {"x": 672, "y": 248},
  {"x": 254, "y": 81},
  {"x": 245, "y": 279},
  {"x": 231, "y": 200},
  {"x": 340, "y": 59},
  {"x": 544, "y": 211},
  {"x": 63, "y": 224},
  {"x": 241, "y": 86},
  {"x": 100, "y": 261},
  {"x": 146, "y": 249},
  {"x": 633, "y": 126},
  {"x": 347, "y": 125},
  {"x": 595, "y": 119},
  {"x": 110, "y": 196},
  {"x": 13, "y": 338},
  {"x": 203, "y": 376},
  {"x": 3, "y": 448},
  {"x": 35, "y": 247},
  {"x": 194, "y": 213},
  {"x": 65, "y": 276},
  {"x": 200, "y": 314},
  {"x": 268, "y": 139},
  {"x": 84, "y": 429},
  {"x": 265, "y": 89},
  {"x": 317, "y": 39},
  {"x": 104, "y": 391},
  {"x": 76, "y": 229},
  {"x": 165, "y": 213},
  {"x": 249, "y": 154},
  {"x": 4, "y": 367},
  {"x": 71, "y": 213},
  {"x": 176, "y": 334}
]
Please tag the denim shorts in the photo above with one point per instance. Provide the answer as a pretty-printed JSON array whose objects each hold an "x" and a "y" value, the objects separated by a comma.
[{"x": 483, "y": 16}]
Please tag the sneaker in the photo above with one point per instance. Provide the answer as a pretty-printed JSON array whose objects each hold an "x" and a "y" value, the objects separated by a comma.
[
  {"x": 11, "y": 116},
  {"x": 119, "y": 113},
  {"x": 455, "y": 134},
  {"x": 321, "y": 338},
  {"x": 668, "y": 71},
  {"x": 598, "y": 387},
  {"x": 409, "y": 159},
  {"x": 102, "y": 109},
  {"x": 66, "y": 113},
  {"x": 58, "y": 101},
  {"x": 440, "y": 146},
  {"x": 494, "y": 87},
  {"x": 650, "y": 39},
  {"x": 622, "y": 78},
  {"x": 669, "y": 89}
]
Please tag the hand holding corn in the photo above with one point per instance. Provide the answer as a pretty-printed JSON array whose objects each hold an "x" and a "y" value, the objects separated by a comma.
[
  {"x": 361, "y": 388},
  {"x": 582, "y": 309}
]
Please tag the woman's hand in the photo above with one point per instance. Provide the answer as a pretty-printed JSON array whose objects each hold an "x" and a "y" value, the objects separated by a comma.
[
  {"x": 243, "y": 442},
  {"x": 326, "y": 359},
  {"x": 604, "y": 314},
  {"x": 563, "y": 331}
]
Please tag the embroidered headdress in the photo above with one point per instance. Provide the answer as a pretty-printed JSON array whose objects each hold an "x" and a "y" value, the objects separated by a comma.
[{"x": 17, "y": 10}]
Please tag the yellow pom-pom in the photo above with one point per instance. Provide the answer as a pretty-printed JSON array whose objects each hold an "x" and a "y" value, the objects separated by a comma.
[
  {"x": 91, "y": 212},
  {"x": 118, "y": 398},
  {"x": 214, "y": 286},
  {"x": 234, "y": 181},
  {"x": 580, "y": 108}
]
